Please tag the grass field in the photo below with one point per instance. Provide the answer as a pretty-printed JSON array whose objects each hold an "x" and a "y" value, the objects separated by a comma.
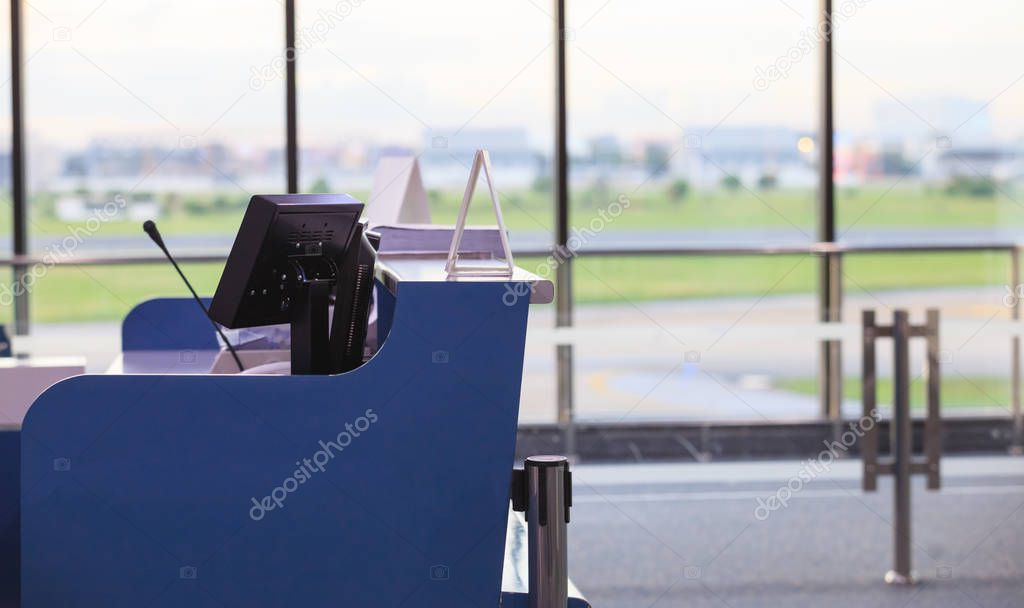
[
  {"x": 651, "y": 208},
  {"x": 106, "y": 293},
  {"x": 955, "y": 392},
  {"x": 647, "y": 208}
]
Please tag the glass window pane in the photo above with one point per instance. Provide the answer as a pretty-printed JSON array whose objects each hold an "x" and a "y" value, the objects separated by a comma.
[
  {"x": 84, "y": 305},
  {"x": 162, "y": 119},
  {"x": 674, "y": 339},
  {"x": 701, "y": 115},
  {"x": 436, "y": 81},
  {"x": 140, "y": 110},
  {"x": 6, "y": 204},
  {"x": 6, "y": 209},
  {"x": 970, "y": 291},
  {"x": 920, "y": 155},
  {"x": 369, "y": 89},
  {"x": 692, "y": 124},
  {"x": 925, "y": 158}
]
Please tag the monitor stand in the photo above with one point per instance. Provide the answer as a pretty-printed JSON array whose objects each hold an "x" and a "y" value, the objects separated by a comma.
[{"x": 310, "y": 326}]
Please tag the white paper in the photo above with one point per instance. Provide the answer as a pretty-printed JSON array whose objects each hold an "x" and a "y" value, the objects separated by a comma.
[{"x": 398, "y": 195}]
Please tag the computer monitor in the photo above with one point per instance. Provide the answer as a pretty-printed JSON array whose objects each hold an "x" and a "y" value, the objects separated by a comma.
[{"x": 293, "y": 252}]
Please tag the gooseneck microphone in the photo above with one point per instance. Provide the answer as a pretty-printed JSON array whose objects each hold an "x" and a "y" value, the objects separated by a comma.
[{"x": 150, "y": 227}]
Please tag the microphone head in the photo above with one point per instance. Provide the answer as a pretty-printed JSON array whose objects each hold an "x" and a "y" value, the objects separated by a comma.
[{"x": 150, "y": 227}]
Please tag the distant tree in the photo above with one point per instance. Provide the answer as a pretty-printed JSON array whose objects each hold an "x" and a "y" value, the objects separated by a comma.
[
  {"x": 44, "y": 203},
  {"x": 895, "y": 163},
  {"x": 731, "y": 183},
  {"x": 320, "y": 186},
  {"x": 542, "y": 184},
  {"x": 598, "y": 195},
  {"x": 977, "y": 187},
  {"x": 221, "y": 203},
  {"x": 678, "y": 190},
  {"x": 656, "y": 159},
  {"x": 195, "y": 206},
  {"x": 172, "y": 203},
  {"x": 767, "y": 182}
]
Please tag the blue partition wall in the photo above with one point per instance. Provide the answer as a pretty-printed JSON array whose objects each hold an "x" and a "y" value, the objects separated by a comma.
[
  {"x": 10, "y": 459},
  {"x": 385, "y": 486},
  {"x": 168, "y": 324}
]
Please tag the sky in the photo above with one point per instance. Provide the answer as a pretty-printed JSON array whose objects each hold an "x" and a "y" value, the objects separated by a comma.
[{"x": 389, "y": 70}]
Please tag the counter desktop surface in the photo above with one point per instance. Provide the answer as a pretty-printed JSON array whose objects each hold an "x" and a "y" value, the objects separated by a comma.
[
  {"x": 194, "y": 353},
  {"x": 194, "y": 485}
]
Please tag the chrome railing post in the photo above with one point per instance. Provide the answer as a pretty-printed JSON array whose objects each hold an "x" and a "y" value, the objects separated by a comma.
[
  {"x": 902, "y": 435},
  {"x": 1016, "y": 289},
  {"x": 548, "y": 498}
]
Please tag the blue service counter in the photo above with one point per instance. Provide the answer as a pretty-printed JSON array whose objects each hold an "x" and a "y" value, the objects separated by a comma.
[{"x": 384, "y": 486}]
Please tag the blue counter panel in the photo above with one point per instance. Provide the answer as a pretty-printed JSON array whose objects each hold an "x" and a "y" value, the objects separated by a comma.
[
  {"x": 10, "y": 462},
  {"x": 385, "y": 486}
]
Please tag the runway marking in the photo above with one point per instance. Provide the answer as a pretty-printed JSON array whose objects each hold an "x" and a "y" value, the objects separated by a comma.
[{"x": 754, "y": 495}]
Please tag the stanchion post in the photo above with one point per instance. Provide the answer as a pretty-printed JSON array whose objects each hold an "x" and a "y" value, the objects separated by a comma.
[
  {"x": 548, "y": 489},
  {"x": 901, "y": 444}
]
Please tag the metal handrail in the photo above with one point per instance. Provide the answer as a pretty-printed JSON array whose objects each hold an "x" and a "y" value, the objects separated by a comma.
[
  {"x": 209, "y": 256},
  {"x": 113, "y": 260}
]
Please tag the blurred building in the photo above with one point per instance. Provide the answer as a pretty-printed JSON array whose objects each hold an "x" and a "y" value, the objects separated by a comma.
[{"x": 710, "y": 153}]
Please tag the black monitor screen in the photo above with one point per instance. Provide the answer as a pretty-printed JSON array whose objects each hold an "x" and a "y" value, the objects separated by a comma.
[{"x": 284, "y": 241}]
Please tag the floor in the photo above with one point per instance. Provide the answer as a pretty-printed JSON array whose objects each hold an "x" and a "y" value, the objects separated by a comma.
[{"x": 697, "y": 535}]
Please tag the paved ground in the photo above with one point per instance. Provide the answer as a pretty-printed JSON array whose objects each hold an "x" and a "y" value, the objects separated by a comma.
[
  {"x": 688, "y": 535},
  {"x": 634, "y": 366},
  {"x": 712, "y": 358}
]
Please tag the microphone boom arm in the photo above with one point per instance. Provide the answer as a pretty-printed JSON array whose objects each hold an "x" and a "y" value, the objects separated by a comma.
[{"x": 150, "y": 227}]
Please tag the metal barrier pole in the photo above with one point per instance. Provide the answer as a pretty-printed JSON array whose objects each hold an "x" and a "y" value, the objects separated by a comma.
[
  {"x": 901, "y": 442},
  {"x": 830, "y": 273},
  {"x": 548, "y": 498},
  {"x": 831, "y": 365},
  {"x": 869, "y": 397},
  {"x": 564, "y": 392},
  {"x": 1015, "y": 292},
  {"x": 933, "y": 420},
  {"x": 563, "y": 278},
  {"x": 291, "y": 55},
  {"x": 19, "y": 196}
]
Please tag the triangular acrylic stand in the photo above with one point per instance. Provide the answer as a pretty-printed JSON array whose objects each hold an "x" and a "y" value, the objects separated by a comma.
[{"x": 457, "y": 268}]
